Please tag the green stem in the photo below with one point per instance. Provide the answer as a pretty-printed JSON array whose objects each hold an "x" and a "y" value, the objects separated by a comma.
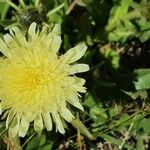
[
  {"x": 82, "y": 128},
  {"x": 129, "y": 16},
  {"x": 135, "y": 5},
  {"x": 119, "y": 123},
  {"x": 132, "y": 15},
  {"x": 37, "y": 2},
  {"x": 13, "y": 5},
  {"x": 127, "y": 134},
  {"x": 22, "y": 3},
  {"x": 24, "y": 144},
  {"x": 55, "y": 9}
]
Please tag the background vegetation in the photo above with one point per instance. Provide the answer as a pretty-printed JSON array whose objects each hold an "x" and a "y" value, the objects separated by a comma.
[{"x": 116, "y": 104}]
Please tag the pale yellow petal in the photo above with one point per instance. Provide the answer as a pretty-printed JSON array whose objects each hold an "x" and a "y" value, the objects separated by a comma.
[
  {"x": 11, "y": 43},
  {"x": 14, "y": 31},
  {"x": 68, "y": 81},
  {"x": 8, "y": 39},
  {"x": 14, "y": 44},
  {"x": 23, "y": 127},
  {"x": 74, "y": 54},
  {"x": 79, "y": 81},
  {"x": 66, "y": 114},
  {"x": 78, "y": 85},
  {"x": 29, "y": 115},
  {"x": 32, "y": 34},
  {"x": 47, "y": 121},
  {"x": 77, "y": 68},
  {"x": 14, "y": 126},
  {"x": 58, "y": 122},
  {"x": 18, "y": 36},
  {"x": 4, "y": 49},
  {"x": 9, "y": 118},
  {"x": 54, "y": 42},
  {"x": 57, "y": 29},
  {"x": 38, "y": 123},
  {"x": 74, "y": 100}
]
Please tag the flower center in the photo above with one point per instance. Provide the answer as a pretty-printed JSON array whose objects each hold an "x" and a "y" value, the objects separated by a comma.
[{"x": 32, "y": 80}]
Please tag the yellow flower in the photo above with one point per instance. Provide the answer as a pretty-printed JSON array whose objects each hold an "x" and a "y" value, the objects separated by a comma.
[{"x": 37, "y": 85}]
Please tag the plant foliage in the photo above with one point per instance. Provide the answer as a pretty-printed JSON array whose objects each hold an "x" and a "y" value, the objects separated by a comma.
[{"x": 116, "y": 106}]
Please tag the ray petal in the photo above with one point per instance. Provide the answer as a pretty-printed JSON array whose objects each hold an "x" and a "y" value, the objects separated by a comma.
[
  {"x": 4, "y": 49},
  {"x": 47, "y": 121},
  {"x": 58, "y": 122},
  {"x": 18, "y": 36},
  {"x": 77, "y": 68},
  {"x": 74, "y": 54},
  {"x": 78, "y": 85},
  {"x": 66, "y": 114},
  {"x": 32, "y": 31},
  {"x": 74, "y": 100},
  {"x": 57, "y": 29},
  {"x": 12, "y": 44},
  {"x": 14, "y": 126},
  {"x": 38, "y": 123},
  {"x": 54, "y": 42},
  {"x": 9, "y": 118},
  {"x": 23, "y": 127}
]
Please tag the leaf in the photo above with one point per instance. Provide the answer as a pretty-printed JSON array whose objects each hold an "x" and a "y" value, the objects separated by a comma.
[
  {"x": 143, "y": 29},
  {"x": 122, "y": 32},
  {"x": 7, "y": 22},
  {"x": 140, "y": 144},
  {"x": 56, "y": 18},
  {"x": 82, "y": 128},
  {"x": 89, "y": 101},
  {"x": 117, "y": 13},
  {"x": 113, "y": 56},
  {"x": 144, "y": 125},
  {"x": 36, "y": 142},
  {"x": 55, "y": 9},
  {"x": 98, "y": 114},
  {"x": 143, "y": 79},
  {"x": 3, "y": 10},
  {"x": 46, "y": 147},
  {"x": 113, "y": 111}
]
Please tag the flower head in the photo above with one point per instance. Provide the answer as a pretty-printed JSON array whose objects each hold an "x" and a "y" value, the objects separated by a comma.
[{"x": 36, "y": 85}]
